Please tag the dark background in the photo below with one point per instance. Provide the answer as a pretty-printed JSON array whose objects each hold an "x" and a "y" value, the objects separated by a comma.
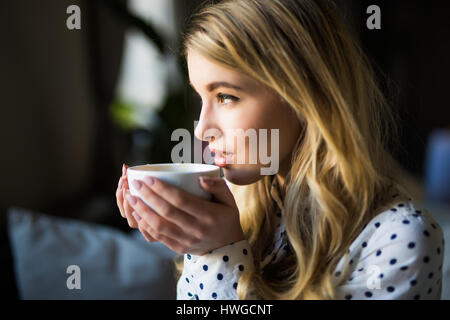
[{"x": 61, "y": 152}]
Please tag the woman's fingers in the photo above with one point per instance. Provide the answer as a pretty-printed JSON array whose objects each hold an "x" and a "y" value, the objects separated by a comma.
[
  {"x": 166, "y": 195},
  {"x": 144, "y": 228},
  {"x": 147, "y": 231},
  {"x": 146, "y": 235},
  {"x": 121, "y": 191},
  {"x": 119, "y": 198},
  {"x": 174, "y": 245},
  {"x": 165, "y": 209},
  {"x": 129, "y": 210},
  {"x": 162, "y": 228},
  {"x": 171, "y": 243}
]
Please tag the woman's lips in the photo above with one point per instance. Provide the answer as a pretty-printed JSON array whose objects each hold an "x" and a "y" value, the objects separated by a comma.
[{"x": 222, "y": 160}]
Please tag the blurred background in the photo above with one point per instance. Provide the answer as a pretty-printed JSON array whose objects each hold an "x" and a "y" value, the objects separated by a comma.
[{"x": 77, "y": 104}]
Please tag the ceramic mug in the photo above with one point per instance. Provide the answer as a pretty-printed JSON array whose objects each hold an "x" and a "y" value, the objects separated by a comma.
[{"x": 181, "y": 175}]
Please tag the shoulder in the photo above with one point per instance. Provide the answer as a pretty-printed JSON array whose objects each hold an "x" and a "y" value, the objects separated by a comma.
[
  {"x": 403, "y": 224},
  {"x": 401, "y": 237},
  {"x": 400, "y": 251}
]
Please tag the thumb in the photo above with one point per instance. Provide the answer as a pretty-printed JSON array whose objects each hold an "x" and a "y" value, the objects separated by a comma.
[{"x": 219, "y": 189}]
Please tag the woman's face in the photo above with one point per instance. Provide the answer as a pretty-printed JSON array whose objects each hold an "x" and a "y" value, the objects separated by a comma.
[{"x": 233, "y": 102}]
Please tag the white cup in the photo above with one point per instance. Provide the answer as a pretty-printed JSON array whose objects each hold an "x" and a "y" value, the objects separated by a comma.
[{"x": 181, "y": 175}]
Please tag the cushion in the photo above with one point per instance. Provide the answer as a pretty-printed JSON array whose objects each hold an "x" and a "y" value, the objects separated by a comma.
[{"x": 112, "y": 264}]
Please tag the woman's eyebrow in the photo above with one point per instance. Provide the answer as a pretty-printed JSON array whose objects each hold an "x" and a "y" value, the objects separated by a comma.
[{"x": 220, "y": 84}]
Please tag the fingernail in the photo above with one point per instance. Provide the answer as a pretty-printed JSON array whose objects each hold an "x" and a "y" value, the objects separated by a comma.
[
  {"x": 137, "y": 184},
  {"x": 123, "y": 169},
  {"x": 132, "y": 200},
  {"x": 149, "y": 180},
  {"x": 207, "y": 181},
  {"x": 136, "y": 216}
]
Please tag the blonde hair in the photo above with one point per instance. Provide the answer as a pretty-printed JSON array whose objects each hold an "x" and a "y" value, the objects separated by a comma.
[{"x": 340, "y": 171}]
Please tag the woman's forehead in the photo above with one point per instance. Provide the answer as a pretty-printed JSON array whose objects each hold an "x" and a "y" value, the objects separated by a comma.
[
  {"x": 201, "y": 68},
  {"x": 203, "y": 72}
]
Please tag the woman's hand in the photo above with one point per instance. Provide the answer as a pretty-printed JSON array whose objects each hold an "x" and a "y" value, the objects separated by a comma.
[
  {"x": 183, "y": 222},
  {"x": 126, "y": 210}
]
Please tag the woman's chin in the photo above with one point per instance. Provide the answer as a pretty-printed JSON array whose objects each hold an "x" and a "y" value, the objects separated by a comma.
[{"x": 241, "y": 174}]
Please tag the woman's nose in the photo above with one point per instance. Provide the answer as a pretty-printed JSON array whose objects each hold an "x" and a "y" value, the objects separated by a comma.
[
  {"x": 206, "y": 133},
  {"x": 206, "y": 129}
]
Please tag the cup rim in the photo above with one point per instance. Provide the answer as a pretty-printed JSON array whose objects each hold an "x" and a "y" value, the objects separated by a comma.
[{"x": 208, "y": 168}]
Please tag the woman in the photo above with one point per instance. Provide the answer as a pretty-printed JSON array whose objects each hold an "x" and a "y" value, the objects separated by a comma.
[{"x": 335, "y": 221}]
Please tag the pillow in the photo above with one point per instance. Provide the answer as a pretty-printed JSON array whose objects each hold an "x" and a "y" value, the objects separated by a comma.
[{"x": 112, "y": 264}]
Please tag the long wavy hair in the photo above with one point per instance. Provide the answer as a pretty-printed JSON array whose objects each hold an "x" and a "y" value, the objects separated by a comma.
[{"x": 340, "y": 171}]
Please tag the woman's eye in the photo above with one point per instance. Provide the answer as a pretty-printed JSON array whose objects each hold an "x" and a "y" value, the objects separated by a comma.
[{"x": 226, "y": 98}]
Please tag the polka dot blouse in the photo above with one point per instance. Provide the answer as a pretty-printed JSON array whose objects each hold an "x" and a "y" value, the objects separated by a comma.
[{"x": 398, "y": 255}]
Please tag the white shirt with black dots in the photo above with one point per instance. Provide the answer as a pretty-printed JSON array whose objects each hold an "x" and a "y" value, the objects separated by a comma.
[{"x": 398, "y": 255}]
